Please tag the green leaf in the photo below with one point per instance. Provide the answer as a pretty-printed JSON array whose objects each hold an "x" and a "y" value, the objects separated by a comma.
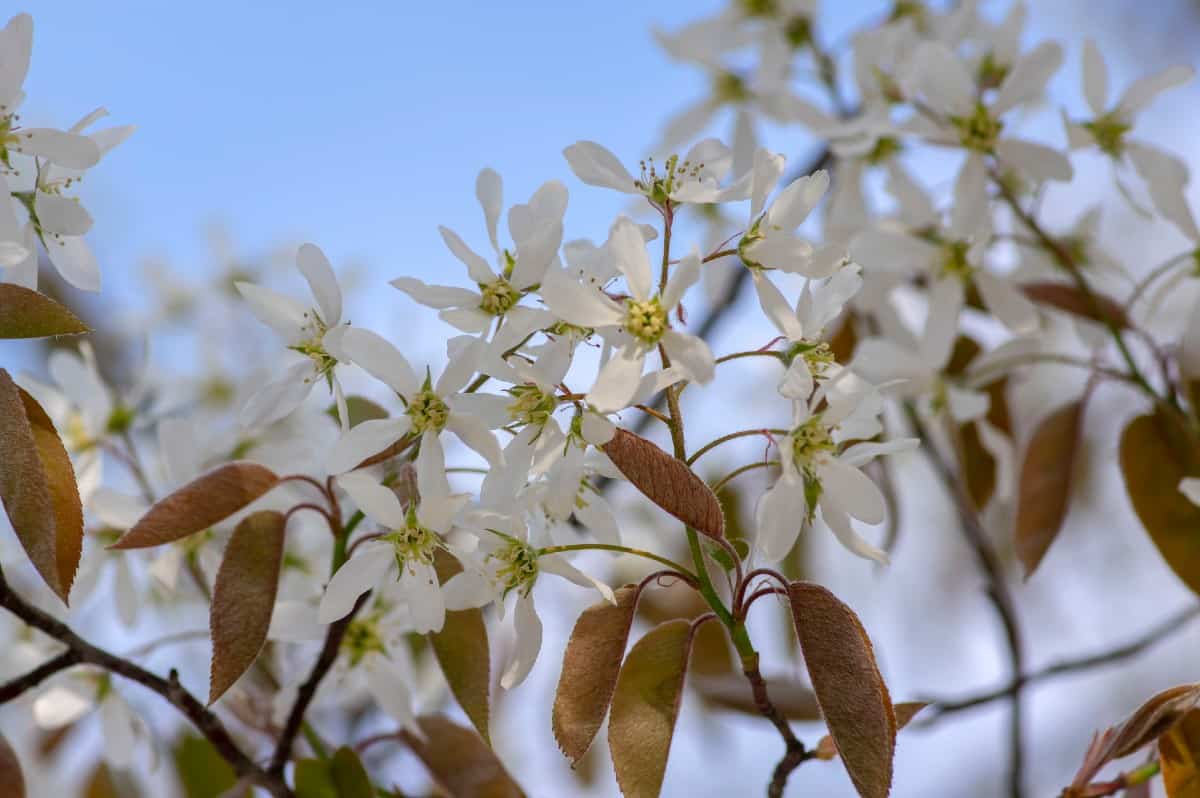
[
  {"x": 37, "y": 487},
  {"x": 244, "y": 597},
  {"x": 27, "y": 314},
  {"x": 202, "y": 771},
  {"x": 850, "y": 691},
  {"x": 591, "y": 664},
  {"x": 1157, "y": 451},
  {"x": 12, "y": 781},
  {"x": 314, "y": 779},
  {"x": 206, "y": 500},
  {"x": 349, "y": 776},
  {"x": 1045, "y": 485},
  {"x": 462, "y": 652},
  {"x": 666, "y": 481},
  {"x": 645, "y": 707},
  {"x": 460, "y": 761}
]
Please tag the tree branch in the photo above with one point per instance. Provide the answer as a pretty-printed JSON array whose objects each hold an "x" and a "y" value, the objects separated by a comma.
[
  {"x": 1065, "y": 667},
  {"x": 84, "y": 652},
  {"x": 14, "y": 688},
  {"x": 997, "y": 592},
  {"x": 308, "y": 690},
  {"x": 795, "y": 754}
]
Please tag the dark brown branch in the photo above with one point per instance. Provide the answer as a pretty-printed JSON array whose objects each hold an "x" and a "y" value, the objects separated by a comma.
[
  {"x": 795, "y": 753},
  {"x": 1065, "y": 667},
  {"x": 204, "y": 720},
  {"x": 14, "y": 688},
  {"x": 997, "y": 592},
  {"x": 308, "y": 690}
]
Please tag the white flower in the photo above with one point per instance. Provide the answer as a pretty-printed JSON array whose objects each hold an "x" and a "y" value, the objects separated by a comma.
[
  {"x": 312, "y": 336},
  {"x": 695, "y": 179},
  {"x": 809, "y": 359},
  {"x": 430, "y": 406},
  {"x": 1109, "y": 128},
  {"x": 536, "y": 230},
  {"x": 964, "y": 120},
  {"x": 72, "y": 698},
  {"x": 508, "y": 561},
  {"x": 640, "y": 323},
  {"x": 820, "y": 477},
  {"x": 952, "y": 259},
  {"x": 407, "y": 547},
  {"x": 770, "y": 240}
]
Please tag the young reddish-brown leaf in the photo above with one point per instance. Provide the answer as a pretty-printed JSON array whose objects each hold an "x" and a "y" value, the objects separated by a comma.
[
  {"x": 27, "y": 314},
  {"x": 12, "y": 781},
  {"x": 463, "y": 655},
  {"x": 852, "y": 695},
  {"x": 645, "y": 706},
  {"x": 905, "y": 711},
  {"x": 666, "y": 481},
  {"x": 37, "y": 487},
  {"x": 1157, "y": 450},
  {"x": 1070, "y": 299},
  {"x": 198, "y": 505},
  {"x": 591, "y": 664},
  {"x": 1179, "y": 756},
  {"x": 1045, "y": 484},
  {"x": 64, "y": 493},
  {"x": 244, "y": 596},
  {"x": 1151, "y": 719},
  {"x": 460, "y": 761},
  {"x": 794, "y": 700}
]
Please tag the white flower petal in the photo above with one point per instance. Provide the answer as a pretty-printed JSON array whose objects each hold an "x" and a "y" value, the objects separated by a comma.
[
  {"x": 489, "y": 190},
  {"x": 383, "y": 361},
  {"x": 387, "y": 685},
  {"x": 475, "y": 434},
  {"x": 1028, "y": 77},
  {"x": 1035, "y": 160},
  {"x": 629, "y": 248},
  {"x": 74, "y": 260},
  {"x": 941, "y": 326},
  {"x": 63, "y": 215},
  {"x": 65, "y": 149},
  {"x": 852, "y": 491},
  {"x": 60, "y": 706},
  {"x": 779, "y": 515},
  {"x": 1009, "y": 305},
  {"x": 436, "y": 296},
  {"x": 477, "y": 267},
  {"x": 421, "y": 593},
  {"x": 528, "y": 627},
  {"x": 322, "y": 282},
  {"x": 596, "y": 166},
  {"x": 617, "y": 381},
  {"x": 557, "y": 565},
  {"x": 1095, "y": 78},
  {"x": 1143, "y": 90},
  {"x": 362, "y": 572},
  {"x": 378, "y": 502},
  {"x": 279, "y": 397},
  {"x": 690, "y": 356},
  {"x": 684, "y": 276},
  {"x": 365, "y": 439},
  {"x": 281, "y": 313},
  {"x": 578, "y": 304},
  {"x": 1190, "y": 487}
]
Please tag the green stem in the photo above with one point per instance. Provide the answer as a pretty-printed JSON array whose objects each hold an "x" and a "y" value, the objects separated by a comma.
[
  {"x": 745, "y": 433},
  {"x": 683, "y": 569},
  {"x": 749, "y": 353}
]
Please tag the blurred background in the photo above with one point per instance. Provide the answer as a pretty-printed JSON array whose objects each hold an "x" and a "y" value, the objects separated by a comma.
[{"x": 361, "y": 126}]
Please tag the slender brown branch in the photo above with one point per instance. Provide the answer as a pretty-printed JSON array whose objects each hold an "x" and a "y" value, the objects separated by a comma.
[
  {"x": 16, "y": 687},
  {"x": 1066, "y": 667},
  {"x": 308, "y": 690},
  {"x": 795, "y": 753},
  {"x": 200, "y": 716},
  {"x": 997, "y": 592}
]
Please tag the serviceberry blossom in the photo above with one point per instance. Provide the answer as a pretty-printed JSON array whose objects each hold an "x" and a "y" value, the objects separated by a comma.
[
  {"x": 636, "y": 325},
  {"x": 536, "y": 229},
  {"x": 695, "y": 179},
  {"x": 410, "y": 540},
  {"x": 430, "y": 406},
  {"x": 312, "y": 335}
]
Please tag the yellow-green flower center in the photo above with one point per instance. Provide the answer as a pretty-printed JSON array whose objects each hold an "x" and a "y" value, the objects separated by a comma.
[
  {"x": 658, "y": 186},
  {"x": 362, "y": 637},
  {"x": 646, "y": 320},
  {"x": 1109, "y": 131},
  {"x": 520, "y": 566},
  {"x": 817, "y": 354},
  {"x": 427, "y": 411},
  {"x": 979, "y": 130},
  {"x": 531, "y": 405},
  {"x": 809, "y": 440},
  {"x": 498, "y": 297},
  {"x": 413, "y": 543},
  {"x": 954, "y": 260}
]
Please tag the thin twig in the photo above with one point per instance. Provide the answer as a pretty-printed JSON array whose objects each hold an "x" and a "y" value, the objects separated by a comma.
[
  {"x": 200, "y": 716},
  {"x": 16, "y": 687}
]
